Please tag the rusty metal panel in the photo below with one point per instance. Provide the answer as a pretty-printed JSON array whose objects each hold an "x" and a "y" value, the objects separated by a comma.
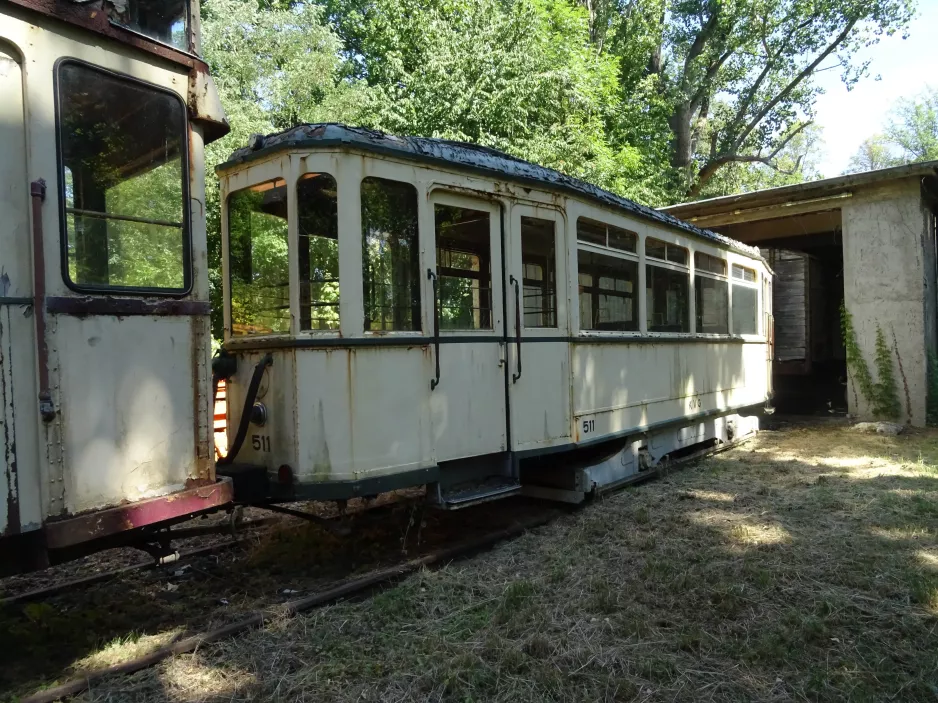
[{"x": 126, "y": 391}]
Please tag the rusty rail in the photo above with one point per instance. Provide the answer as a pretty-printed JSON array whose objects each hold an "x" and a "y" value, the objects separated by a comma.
[{"x": 258, "y": 619}]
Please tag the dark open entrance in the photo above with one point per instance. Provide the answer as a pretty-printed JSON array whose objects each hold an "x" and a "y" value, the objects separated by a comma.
[
  {"x": 810, "y": 370},
  {"x": 809, "y": 373}
]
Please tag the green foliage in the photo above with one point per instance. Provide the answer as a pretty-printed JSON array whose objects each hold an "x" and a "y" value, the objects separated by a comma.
[
  {"x": 931, "y": 411},
  {"x": 909, "y": 135},
  {"x": 882, "y": 395}
]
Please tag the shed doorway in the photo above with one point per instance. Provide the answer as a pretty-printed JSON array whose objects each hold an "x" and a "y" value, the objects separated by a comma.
[{"x": 809, "y": 372}]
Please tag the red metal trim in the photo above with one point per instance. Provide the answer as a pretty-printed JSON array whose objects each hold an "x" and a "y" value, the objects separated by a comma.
[
  {"x": 91, "y": 17},
  {"x": 143, "y": 513}
]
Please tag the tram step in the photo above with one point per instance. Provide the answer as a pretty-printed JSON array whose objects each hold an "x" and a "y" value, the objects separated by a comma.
[{"x": 473, "y": 495}]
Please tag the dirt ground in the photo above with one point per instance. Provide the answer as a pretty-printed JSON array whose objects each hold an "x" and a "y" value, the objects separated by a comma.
[{"x": 800, "y": 566}]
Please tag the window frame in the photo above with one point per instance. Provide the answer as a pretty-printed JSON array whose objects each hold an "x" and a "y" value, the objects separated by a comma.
[
  {"x": 188, "y": 33},
  {"x": 675, "y": 267},
  {"x": 615, "y": 253},
  {"x": 293, "y": 209},
  {"x": 188, "y": 277},
  {"x": 228, "y": 289},
  {"x": 725, "y": 278},
  {"x": 755, "y": 285}
]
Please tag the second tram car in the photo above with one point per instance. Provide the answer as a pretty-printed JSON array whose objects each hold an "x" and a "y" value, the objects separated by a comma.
[{"x": 405, "y": 311}]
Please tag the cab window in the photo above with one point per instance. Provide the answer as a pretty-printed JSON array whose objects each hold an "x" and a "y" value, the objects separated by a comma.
[{"x": 122, "y": 169}]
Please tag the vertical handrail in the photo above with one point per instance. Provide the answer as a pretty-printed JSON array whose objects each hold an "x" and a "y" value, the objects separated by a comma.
[
  {"x": 514, "y": 281},
  {"x": 434, "y": 382},
  {"x": 37, "y": 192}
]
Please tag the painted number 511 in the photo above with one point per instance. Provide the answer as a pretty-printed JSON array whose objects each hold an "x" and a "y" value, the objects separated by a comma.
[{"x": 589, "y": 426}]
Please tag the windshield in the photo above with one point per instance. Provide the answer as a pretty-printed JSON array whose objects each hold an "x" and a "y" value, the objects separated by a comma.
[{"x": 164, "y": 20}]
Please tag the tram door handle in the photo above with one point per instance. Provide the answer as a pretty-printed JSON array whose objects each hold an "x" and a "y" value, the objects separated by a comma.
[
  {"x": 434, "y": 382},
  {"x": 514, "y": 281}
]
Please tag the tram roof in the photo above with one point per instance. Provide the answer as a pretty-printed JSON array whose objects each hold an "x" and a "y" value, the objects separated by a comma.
[{"x": 462, "y": 156}]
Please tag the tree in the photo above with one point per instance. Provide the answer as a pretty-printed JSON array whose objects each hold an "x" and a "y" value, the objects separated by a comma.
[
  {"x": 796, "y": 163},
  {"x": 910, "y": 135},
  {"x": 519, "y": 76},
  {"x": 737, "y": 75},
  {"x": 874, "y": 153},
  {"x": 913, "y": 128}
]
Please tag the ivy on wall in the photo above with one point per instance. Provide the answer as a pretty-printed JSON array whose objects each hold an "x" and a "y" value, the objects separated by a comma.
[{"x": 881, "y": 395}]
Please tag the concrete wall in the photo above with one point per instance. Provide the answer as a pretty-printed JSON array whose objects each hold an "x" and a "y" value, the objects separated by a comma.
[{"x": 889, "y": 283}]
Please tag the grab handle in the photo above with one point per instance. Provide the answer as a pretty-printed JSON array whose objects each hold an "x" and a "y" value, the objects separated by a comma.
[
  {"x": 434, "y": 382},
  {"x": 514, "y": 281}
]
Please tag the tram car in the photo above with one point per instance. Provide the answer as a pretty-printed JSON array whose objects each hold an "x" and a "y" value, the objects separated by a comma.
[
  {"x": 105, "y": 385},
  {"x": 404, "y": 311}
]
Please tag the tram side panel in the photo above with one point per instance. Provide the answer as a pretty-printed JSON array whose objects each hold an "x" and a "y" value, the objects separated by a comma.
[
  {"x": 622, "y": 387},
  {"x": 20, "y": 503}
]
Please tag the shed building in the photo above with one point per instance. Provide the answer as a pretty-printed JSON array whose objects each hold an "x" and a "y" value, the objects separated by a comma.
[{"x": 866, "y": 240}]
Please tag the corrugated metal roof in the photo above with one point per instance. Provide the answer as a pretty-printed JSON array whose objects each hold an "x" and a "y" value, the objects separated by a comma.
[{"x": 464, "y": 156}]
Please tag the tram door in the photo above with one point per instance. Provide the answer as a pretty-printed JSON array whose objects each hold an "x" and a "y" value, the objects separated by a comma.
[
  {"x": 19, "y": 501},
  {"x": 468, "y": 400},
  {"x": 539, "y": 355}
]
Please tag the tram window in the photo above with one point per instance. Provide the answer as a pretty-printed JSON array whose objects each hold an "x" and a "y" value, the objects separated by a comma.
[
  {"x": 124, "y": 183},
  {"x": 657, "y": 249},
  {"x": 317, "y": 210},
  {"x": 258, "y": 260},
  {"x": 745, "y": 309},
  {"x": 607, "y": 292},
  {"x": 743, "y": 274},
  {"x": 594, "y": 232},
  {"x": 464, "y": 267},
  {"x": 390, "y": 256},
  {"x": 712, "y": 298},
  {"x": 710, "y": 264},
  {"x": 539, "y": 280},
  {"x": 163, "y": 20},
  {"x": 667, "y": 299}
]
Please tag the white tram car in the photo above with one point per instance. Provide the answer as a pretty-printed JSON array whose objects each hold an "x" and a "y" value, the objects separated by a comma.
[
  {"x": 404, "y": 311},
  {"x": 105, "y": 420}
]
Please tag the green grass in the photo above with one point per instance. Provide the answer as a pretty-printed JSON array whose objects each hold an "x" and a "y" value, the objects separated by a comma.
[{"x": 803, "y": 565}]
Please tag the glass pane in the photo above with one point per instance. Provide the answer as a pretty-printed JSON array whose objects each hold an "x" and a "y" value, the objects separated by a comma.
[
  {"x": 317, "y": 209},
  {"x": 257, "y": 259},
  {"x": 163, "y": 20},
  {"x": 667, "y": 300},
  {"x": 591, "y": 231},
  {"x": 744, "y": 274},
  {"x": 622, "y": 239},
  {"x": 712, "y": 298},
  {"x": 655, "y": 249},
  {"x": 123, "y": 176},
  {"x": 464, "y": 267},
  {"x": 745, "y": 309},
  {"x": 713, "y": 264},
  {"x": 538, "y": 253},
  {"x": 677, "y": 255},
  {"x": 390, "y": 256},
  {"x": 607, "y": 292}
]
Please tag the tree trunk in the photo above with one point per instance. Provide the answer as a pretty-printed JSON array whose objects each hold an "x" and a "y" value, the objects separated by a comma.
[{"x": 682, "y": 140}]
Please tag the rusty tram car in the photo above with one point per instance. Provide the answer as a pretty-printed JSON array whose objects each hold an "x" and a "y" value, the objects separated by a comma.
[
  {"x": 398, "y": 311},
  {"x": 105, "y": 380}
]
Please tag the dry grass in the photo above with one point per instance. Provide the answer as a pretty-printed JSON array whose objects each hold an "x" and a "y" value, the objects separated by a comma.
[{"x": 801, "y": 566}]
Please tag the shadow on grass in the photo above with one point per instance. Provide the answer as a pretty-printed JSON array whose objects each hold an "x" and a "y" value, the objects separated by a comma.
[{"x": 751, "y": 576}]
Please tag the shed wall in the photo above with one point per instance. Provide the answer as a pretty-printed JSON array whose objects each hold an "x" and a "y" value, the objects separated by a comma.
[{"x": 885, "y": 284}]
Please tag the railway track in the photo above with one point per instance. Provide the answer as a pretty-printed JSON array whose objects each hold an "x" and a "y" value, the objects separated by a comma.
[
  {"x": 258, "y": 618},
  {"x": 443, "y": 541}
]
